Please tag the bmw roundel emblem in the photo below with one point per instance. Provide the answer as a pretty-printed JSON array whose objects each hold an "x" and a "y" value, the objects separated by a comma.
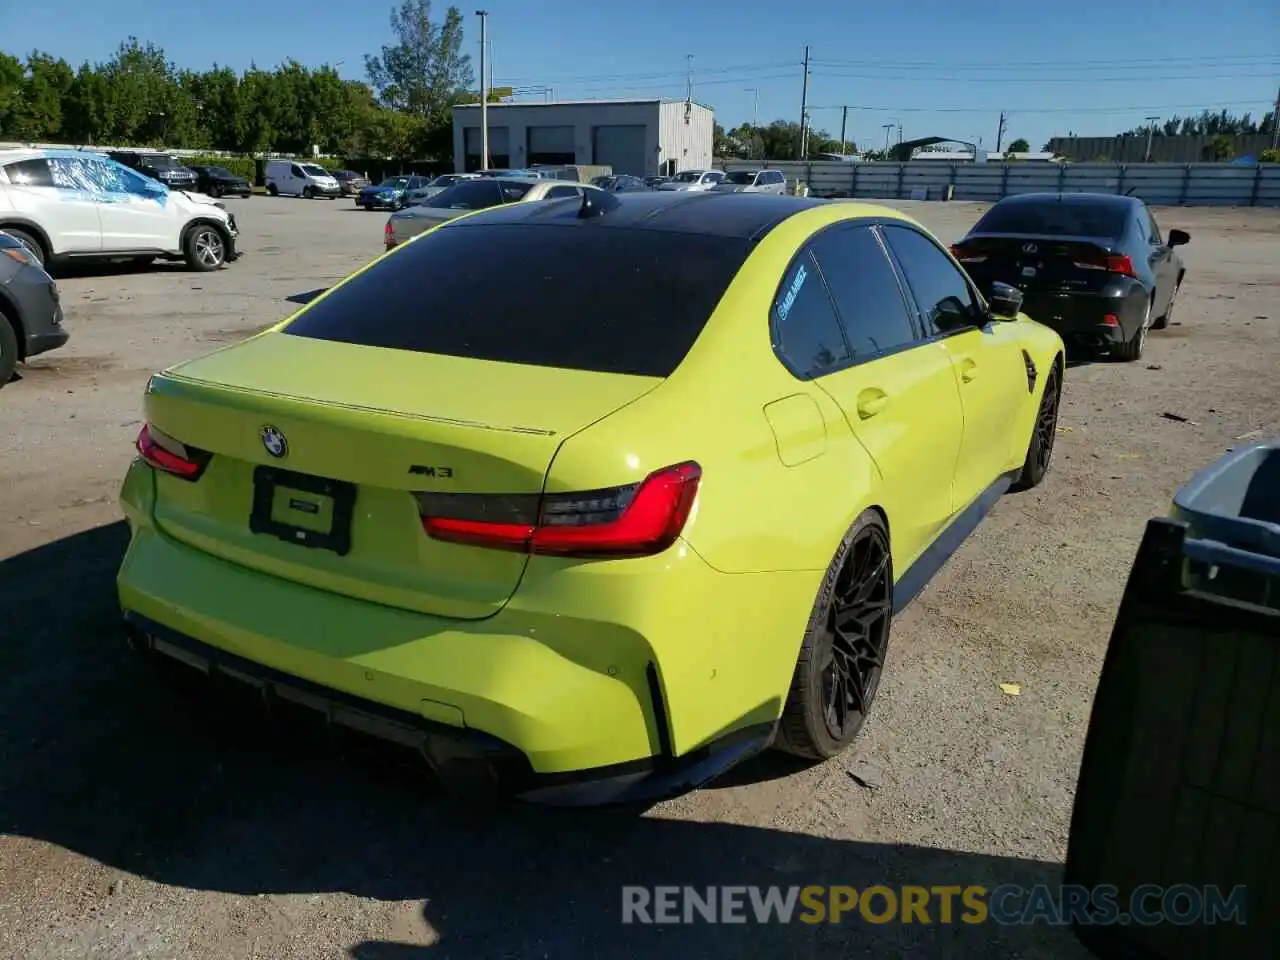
[{"x": 274, "y": 441}]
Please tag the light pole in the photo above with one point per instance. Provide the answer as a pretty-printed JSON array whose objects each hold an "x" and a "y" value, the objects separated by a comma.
[
  {"x": 484, "y": 90},
  {"x": 755, "y": 118},
  {"x": 1151, "y": 132}
]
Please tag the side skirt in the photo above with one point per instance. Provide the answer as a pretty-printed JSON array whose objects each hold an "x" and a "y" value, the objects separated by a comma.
[{"x": 949, "y": 541}]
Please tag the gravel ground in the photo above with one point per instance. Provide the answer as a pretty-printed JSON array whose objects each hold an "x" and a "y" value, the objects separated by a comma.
[{"x": 142, "y": 818}]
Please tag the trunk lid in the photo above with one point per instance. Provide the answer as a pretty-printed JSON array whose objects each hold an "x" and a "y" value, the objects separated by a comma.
[
  {"x": 364, "y": 428},
  {"x": 1037, "y": 264}
]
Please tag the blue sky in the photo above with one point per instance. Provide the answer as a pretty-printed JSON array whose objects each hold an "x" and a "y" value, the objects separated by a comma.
[{"x": 935, "y": 66}]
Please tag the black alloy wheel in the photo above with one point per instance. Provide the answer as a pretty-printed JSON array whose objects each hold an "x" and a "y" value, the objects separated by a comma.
[
  {"x": 1043, "y": 434},
  {"x": 858, "y": 633},
  {"x": 843, "y": 653}
]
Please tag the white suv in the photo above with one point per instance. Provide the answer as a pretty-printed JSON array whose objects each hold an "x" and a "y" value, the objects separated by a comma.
[{"x": 70, "y": 205}]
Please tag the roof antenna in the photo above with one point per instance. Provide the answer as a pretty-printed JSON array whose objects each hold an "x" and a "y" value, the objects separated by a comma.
[{"x": 596, "y": 203}]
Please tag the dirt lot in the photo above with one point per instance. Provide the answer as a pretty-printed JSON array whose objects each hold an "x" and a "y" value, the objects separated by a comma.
[{"x": 142, "y": 819}]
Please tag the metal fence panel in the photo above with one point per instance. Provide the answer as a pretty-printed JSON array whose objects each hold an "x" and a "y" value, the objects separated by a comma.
[{"x": 1189, "y": 184}]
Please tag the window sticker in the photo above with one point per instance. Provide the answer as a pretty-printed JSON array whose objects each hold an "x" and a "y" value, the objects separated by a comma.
[{"x": 789, "y": 300}]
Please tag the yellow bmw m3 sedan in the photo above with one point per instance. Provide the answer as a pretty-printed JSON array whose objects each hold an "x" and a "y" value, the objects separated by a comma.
[{"x": 588, "y": 500}]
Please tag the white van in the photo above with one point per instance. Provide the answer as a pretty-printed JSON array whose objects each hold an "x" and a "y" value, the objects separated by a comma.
[{"x": 300, "y": 179}]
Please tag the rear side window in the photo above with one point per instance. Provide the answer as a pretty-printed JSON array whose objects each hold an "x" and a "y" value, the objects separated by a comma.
[
  {"x": 1052, "y": 218},
  {"x": 30, "y": 173},
  {"x": 468, "y": 195},
  {"x": 865, "y": 289},
  {"x": 806, "y": 333},
  {"x": 597, "y": 298}
]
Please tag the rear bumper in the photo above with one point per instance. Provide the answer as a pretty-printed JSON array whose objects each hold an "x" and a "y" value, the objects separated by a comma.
[
  {"x": 1082, "y": 317},
  {"x": 596, "y": 683}
]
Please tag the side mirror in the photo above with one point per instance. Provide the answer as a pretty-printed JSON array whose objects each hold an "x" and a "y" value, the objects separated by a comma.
[
  {"x": 1005, "y": 301},
  {"x": 1178, "y": 238}
]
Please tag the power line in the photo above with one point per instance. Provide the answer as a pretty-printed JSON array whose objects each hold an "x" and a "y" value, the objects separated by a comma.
[
  {"x": 1258, "y": 59},
  {"x": 1024, "y": 81},
  {"x": 654, "y": 75},
  {"x": 1108, "y": 110}
]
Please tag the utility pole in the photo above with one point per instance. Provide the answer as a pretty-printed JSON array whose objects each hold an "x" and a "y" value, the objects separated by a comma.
[
  {"x": 804, "y": 106},
  {"x": 484, "y": 90},
  {"x": 1000, "y": 132},
  {"x": 844, "y": 120},
  {"x": 755, "y": 105},
  {"x": 1151, "y": 132},
  {"x": 888, "y": 129},
  {"x": 688, "y": 90},
  {"x": 1275, "y": 125}
]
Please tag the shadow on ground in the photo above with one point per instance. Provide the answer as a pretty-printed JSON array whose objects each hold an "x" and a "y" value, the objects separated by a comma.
[
  {"x": 120, "y": 761},
  {"x": 116, "y": 268}
]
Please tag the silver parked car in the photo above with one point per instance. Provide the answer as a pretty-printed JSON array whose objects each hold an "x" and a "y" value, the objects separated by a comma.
[
  {"x": 693, "y": 180},
  {"x": 753, "y": 181},
  {"x": 478, "y": 193}
]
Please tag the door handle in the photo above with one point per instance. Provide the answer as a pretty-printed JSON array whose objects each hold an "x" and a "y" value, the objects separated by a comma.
[
  {"x": 871, "y": 402},
  {"x": 968, "y": 369}
]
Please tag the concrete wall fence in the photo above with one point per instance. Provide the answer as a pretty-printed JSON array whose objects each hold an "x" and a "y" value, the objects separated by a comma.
[{"x": 1172, "y": 184}]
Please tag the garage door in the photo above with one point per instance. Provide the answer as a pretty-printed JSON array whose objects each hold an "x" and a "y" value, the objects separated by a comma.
[
  {"x": 499, "y": 147},
  {"x": 621, "y": 148},
  {"x": 551, "y": 145}
]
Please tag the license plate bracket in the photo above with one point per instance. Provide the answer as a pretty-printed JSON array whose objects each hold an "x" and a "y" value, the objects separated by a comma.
[{"x": 268, "y": 480}]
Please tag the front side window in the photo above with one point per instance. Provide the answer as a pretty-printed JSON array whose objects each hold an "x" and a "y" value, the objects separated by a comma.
[
  {"x": 942, "y": 293},
  {"x": 103, "y": 178},
  {"x": 1157, "y": 238},
  {"x": 313, "y": 170},
  {"x": 806, "y": 333},
  {"x": 865, "y": 288}
]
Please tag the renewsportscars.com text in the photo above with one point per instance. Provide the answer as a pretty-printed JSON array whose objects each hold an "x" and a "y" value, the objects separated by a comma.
[{"x": 1009, "y": 905}]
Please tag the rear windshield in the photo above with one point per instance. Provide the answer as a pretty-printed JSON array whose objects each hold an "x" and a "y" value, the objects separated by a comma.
[
  {"x": 606, "y": 299},
  {"x": 747, "y": 177},
  {"x": 1073, "y": 218}
]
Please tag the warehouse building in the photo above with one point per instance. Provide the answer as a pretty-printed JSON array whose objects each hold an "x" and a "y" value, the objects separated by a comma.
[{"x": 639, "y": 137}]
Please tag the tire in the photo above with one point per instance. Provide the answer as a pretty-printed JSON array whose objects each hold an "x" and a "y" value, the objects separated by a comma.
[
  {"x": 215, "y": 191},
  {"x": 204, "y": 248},
  {"x": 861, "y": 572},
  {"x": 1043, "y": 433},
  {"x": 8, "y": 350},
  {"x": 273, "y": 190},
  {"x": 28, "y": 241},
  {"x": 1132, "y": 349},
  {"x": 1162, "y": 322},
  {"x": 307, "y": 193}
]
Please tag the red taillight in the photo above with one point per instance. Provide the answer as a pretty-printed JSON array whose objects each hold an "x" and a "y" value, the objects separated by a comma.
[
  {"x": 388, "y": 235},
  {"x": 635, "y": 520},
  {"x": 966, "y": 254},
  {"x": 1112, "y": 263},
  {"x": 164, "y": 453}
]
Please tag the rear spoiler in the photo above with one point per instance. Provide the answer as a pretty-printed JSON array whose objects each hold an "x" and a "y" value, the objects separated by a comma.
[{"x": 1097, "y": 243}]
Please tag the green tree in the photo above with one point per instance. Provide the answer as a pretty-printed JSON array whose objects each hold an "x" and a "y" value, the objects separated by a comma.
[
  {"x": 1220, "y": 148},
  {"x": 425, "y": 69},
  {"x": 88, "y": 111},
  {"x": 1019, "y": 146}
]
